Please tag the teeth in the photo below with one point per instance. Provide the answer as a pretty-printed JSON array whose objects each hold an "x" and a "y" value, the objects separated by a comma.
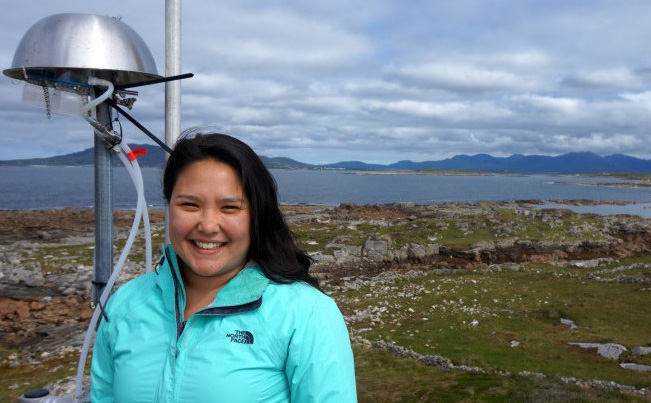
[{"x": 207, "y": 245}]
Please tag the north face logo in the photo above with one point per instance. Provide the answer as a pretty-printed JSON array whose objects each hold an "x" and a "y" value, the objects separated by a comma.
[{"x": 241, "y": 336}]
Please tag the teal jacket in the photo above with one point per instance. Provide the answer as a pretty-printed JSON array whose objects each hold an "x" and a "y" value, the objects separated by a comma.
[{"x": 259, "y": 341}]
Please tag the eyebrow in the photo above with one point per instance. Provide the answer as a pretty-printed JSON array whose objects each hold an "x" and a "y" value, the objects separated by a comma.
[{"x": 224, "y": 200}]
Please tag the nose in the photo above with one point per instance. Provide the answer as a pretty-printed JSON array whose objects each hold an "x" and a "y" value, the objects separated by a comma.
[{"x": 210, "y": 221}]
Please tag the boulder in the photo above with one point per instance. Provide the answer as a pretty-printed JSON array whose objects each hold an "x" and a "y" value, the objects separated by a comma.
[
  {"x": 608, "y": 350},
  {"x": 29, "y": 274},
  {"x": 347, "y": 253},
  {"x": 376, "y": 248},
  {"x": 641, "y": 350},
  {"x": 635, "y": 367},
  {"x": 405, "y": 205},
  {"x": 418, "y": 251},
  {"x": 568, "y": 322}
]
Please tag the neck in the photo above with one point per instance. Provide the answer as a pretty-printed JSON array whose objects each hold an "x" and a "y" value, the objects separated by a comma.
[{"x": 201, "y": 291}]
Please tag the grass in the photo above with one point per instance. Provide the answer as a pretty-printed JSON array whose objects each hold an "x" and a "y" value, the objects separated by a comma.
[
  {"x": 433, "y": 314},
  {"x": 384, "y": 378},
  {"x": 17, "y": 380},
  {"x": 461, "y": 232},
  {"x": 65, "y": 258}
]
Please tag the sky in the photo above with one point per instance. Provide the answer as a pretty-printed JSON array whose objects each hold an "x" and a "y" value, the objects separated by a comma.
[{"x": 376, "y": 81}]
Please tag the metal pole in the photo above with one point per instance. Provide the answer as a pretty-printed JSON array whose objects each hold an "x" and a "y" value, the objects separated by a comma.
[
  {"x": 103, "y": 209},
  {"x": 172, "y": 88}
]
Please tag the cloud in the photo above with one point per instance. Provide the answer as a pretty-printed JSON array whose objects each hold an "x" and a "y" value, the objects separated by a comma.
[
  {"x": 458, "y": 77},
  {"x": 376, "y": 81},
  {"x": 615, "y": 78}
]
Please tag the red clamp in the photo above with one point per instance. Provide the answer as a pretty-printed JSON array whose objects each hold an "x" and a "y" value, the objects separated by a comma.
[{"x": 136, "y": 153}]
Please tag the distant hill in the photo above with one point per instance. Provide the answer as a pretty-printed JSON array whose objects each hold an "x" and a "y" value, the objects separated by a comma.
[
  {"x": 155, "y": 157},
  {"x": 577, "y": 162}
]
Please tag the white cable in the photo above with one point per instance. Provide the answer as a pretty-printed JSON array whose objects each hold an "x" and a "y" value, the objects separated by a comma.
[
  {"x": 90, "y": 107},
  {"x": 111, "y": 281},
  {"x": 136, "y": 177},
  {"x": 133, "y": 168}
]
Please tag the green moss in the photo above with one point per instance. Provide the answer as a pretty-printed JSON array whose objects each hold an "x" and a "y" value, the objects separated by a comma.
[
  {"x": 52, "y": 258},
  {"x": 17, "y": 380},
  {"x": 382, "y": 377},
  {"x": 434, "y": 314}
]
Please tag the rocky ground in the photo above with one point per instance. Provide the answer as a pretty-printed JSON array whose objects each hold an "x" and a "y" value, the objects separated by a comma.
[
  {"x": 46, "y": 256},
  {"x": 45, "y": 298}
]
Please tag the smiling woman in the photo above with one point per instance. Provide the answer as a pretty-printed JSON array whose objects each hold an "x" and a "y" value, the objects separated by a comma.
[
  {"x": 232, "y": 313},
  {"x": 209, "y": 229}
]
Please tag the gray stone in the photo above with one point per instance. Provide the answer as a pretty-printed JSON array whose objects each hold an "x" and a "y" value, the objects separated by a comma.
[
  {"x": 44, "y": 235},
  {"x": 376, "y": 248},
  {"x": 338, "y": 241},
  {"x": 405, "y": 205},
  {"x": 347, "y": 253},
  {"x": 352, "y": 250},
  {"x": 398, "y": 254},
  {"x": 635, "y": 367},
  {"x": 641, "y": 350},
  {"x": 575, "y": 232},
  {"x": 432, "y": 249},
  {"x": 585, "y": 263},
  {"x": 569, "y": 323},
  {"x": 29, "y": 274},
  {"x": 321, "y": 258},
  {"x": 607, "y": 350},
  {"x": 358, "y": 317},
  {"x": 505, "y": 243},
  {"x": 416, "y": 251}
]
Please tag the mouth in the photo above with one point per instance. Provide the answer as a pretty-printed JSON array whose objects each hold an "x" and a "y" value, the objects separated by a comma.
[{"x": 208, "y": 245}]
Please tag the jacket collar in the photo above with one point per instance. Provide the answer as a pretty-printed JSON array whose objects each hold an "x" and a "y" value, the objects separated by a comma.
[{"x": 242, "y": 293}]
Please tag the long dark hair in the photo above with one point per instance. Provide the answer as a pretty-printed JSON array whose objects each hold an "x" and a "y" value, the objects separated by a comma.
[{"x": 272, "y": 245}]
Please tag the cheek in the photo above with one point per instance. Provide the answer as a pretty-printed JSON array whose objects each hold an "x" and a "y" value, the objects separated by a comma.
[
  {"x": 239, "y": 228},
  {"x": 179, "y": 223}
]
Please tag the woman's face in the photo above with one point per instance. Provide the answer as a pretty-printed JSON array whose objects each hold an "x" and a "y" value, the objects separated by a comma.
[{"x": 209, "y": 221}]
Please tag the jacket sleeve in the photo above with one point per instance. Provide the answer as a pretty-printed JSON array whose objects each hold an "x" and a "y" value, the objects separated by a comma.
[
  {"x": 101, "y": 371},
  {"x": 320, "y": 366}
]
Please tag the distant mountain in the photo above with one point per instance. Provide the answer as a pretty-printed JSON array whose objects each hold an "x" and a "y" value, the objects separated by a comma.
[
  {"x": 284, "y": 163},
  {"x": 576, "y": 162},
  {"x": 356, "y": 166},
  {"x": 155, "y": 157}
]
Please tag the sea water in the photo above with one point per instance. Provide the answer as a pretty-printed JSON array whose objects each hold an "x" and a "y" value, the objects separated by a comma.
[{"x": 40, "y": 187}]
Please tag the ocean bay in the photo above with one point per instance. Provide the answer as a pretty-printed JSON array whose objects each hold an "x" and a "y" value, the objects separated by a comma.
[{"x": 40, "y": 187}]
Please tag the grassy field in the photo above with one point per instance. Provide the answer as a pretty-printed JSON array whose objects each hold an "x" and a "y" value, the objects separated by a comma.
[
  {"x": 506, "y": 321},
  {"x": 383, "y": 378}
]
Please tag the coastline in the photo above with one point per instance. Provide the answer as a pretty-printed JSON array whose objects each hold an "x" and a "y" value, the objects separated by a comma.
[
  {"x": 82, "y": 218},
  {"x": 636, "y": 180}
]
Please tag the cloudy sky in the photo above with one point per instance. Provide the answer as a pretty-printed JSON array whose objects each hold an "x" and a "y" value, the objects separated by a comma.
[{"x": 377, "y": 80}]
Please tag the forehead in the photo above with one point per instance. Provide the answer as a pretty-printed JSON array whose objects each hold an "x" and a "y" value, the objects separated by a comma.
[{"x": 208, "y": 175}]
